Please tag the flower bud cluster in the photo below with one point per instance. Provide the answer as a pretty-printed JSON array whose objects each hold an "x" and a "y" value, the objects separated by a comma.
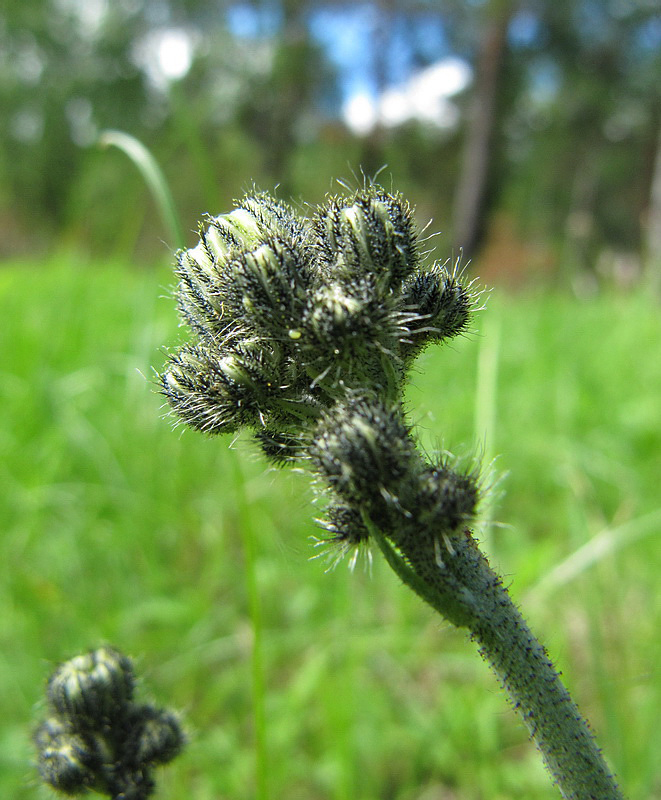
[
  {"x": 306, "y": 328},
  {"x": 291, "y": 313},
  {"x": 96, "y": 736}
]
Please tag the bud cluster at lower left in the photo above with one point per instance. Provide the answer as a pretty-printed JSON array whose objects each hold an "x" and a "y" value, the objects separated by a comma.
[{"x": 96, "y": 736}]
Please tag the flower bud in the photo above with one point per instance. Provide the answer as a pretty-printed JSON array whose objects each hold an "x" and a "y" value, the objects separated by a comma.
[
  {"x": 93, "y": 686},
  {"x": 364, "y": 451},
  {"x": 65, "y": 759},
  {"x": 207, "y": 299},
  {"x": 446, "y": 500},
  {"x": 371, "y": 233},
  {"x": 156, "y": 735},
  {"x": 257, "y": 219},
  {"x": 96, "y": 736},
  {"x": 195, "y": 395},
  {"x": 202, "y": 270},
  {"x": 201, "y": 295},
  {"x": 270, "y": 283},
  {"x": 218, "y": 392},
  {"x": 442, "y": 304},
  {"x": 281, "y": 447},
  {"x": 228, "y": 233},
  {"x": 277, "y": 220},
  {"x": 342, "y": 322},
  {"x": 336, "y": 318},
  {"x": 346, "y": 531}
]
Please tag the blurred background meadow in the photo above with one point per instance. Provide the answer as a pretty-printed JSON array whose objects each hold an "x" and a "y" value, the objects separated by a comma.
[{"x": 530, "y": 133}]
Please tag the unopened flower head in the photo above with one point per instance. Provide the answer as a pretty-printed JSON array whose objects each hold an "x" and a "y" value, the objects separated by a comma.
[
  {"x": 442, "y": 305},
  {"x": 306, "y": 330},
  {"x": 345, "y": 534},
  {"x": 446, "y": 498},
  {"x": 270, "y": 283},
  {"x": 66, "y": 760},
  {"x": 363, "y": 449},
  {"x": 373, "y": 233},
  {"x": 96, "y": 685},
  {"x": 219, "y": 391},
  {"x": 156, "y": 736},
  {"x": 353, "y": 336},
  {"x": 209, "y": 298}
]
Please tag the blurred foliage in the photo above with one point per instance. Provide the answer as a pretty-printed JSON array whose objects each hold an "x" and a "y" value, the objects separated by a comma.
[{"x": 570, "y": 163}]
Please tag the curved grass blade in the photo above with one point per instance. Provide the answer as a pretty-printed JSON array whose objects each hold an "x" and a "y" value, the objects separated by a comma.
[{"x": 153, "y": 177}]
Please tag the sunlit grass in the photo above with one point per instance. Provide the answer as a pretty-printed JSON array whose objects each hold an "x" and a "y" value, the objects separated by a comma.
[{"x": 118, "y": 528}]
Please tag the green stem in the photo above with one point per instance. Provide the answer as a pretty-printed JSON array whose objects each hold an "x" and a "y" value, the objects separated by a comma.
[
  {"x": 437, "y": 600},
  {"x": 459, "y": 583}
]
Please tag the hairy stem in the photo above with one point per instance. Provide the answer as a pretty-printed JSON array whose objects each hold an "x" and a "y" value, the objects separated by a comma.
[{"x": 456, "y": 580}]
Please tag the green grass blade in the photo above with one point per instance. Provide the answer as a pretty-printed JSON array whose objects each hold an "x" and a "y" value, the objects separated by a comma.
[
  {"x": 247, "y": 529},
  {"x": 153, "y": 177},
  {"x": 605, "y": 543},
  {"x": 486, "y": 411}
]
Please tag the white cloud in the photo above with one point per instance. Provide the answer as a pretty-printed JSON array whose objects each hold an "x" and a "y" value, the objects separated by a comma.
[{"x": 424, "y": 97}]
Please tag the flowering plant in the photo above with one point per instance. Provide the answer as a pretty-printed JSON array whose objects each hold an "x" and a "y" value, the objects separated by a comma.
[{"x": 306, "y": 329}]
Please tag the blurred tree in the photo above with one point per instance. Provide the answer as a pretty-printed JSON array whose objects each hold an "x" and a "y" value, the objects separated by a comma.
[
  {"x": 653, "y": 221},
  {"x": 486, "y": 112},
  {"x": 66, "y": 69},
  {"x": 560, "y": 128},
  {"x": 584, "y": 130}
]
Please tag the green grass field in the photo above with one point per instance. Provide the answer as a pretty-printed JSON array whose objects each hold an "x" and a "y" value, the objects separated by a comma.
[{"x": 116, "y": 528}]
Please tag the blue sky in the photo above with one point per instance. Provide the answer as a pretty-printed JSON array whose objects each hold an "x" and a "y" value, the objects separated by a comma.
[{"x": 346, "y": 34}]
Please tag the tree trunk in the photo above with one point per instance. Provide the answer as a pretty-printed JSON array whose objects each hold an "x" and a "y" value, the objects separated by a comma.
[
  {"x": 469, "y": 206},
  {"x": 653, "y": 224}
]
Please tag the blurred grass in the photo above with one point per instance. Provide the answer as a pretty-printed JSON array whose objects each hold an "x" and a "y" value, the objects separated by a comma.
[{"x": 117, "y": 528}]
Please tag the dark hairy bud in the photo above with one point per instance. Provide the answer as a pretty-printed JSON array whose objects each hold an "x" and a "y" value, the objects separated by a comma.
[
  {"x": 281, "y": 447},
  {"x": 209, "y": 299},
  {"x": 370, "y": 233},
  {"x": 270, "y": 283},
  {"x": 441, "y": 305},
  {"x": 96, "y": 685},
  {"x": 157, "y": 736},
  {"x": 347, "y": 325},
  {"x": 344, "y": 533},
  {"x": 446, "y": 500},
  {"x": 277, "y": 219},
  {"x": 197, "y": 391},
  {"x": 65, "y": 759},
  {"x": 365, "y": 452},
  {"x": 219, "y": 392}
]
